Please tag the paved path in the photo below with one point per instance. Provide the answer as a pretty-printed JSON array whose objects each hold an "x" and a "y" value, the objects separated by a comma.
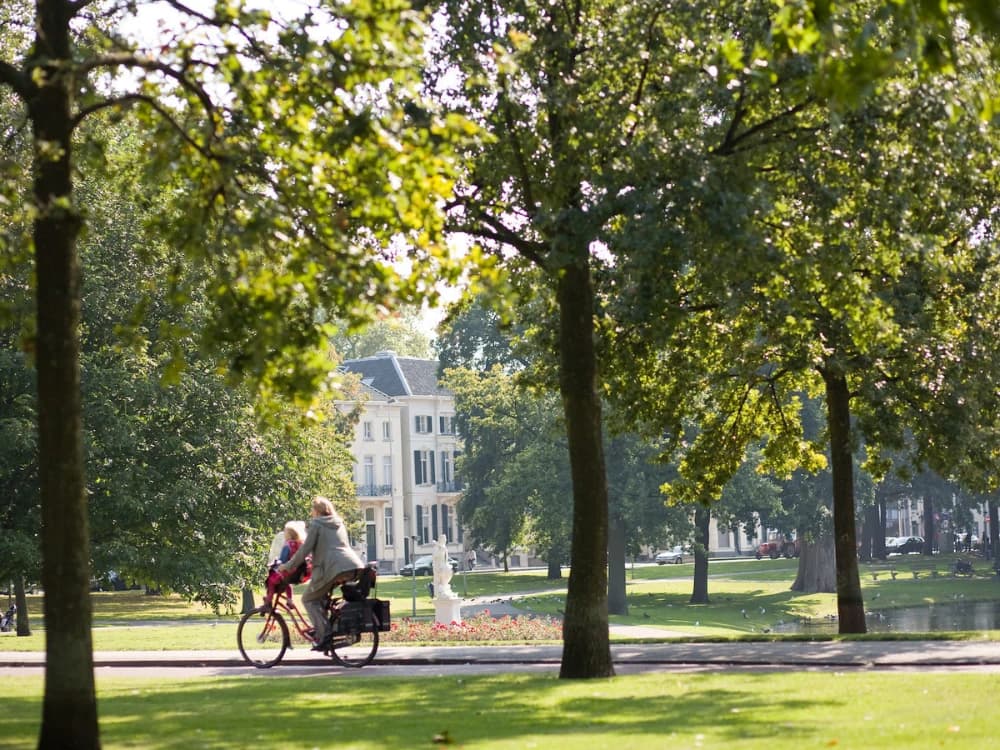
[{"x": 664, "y": 656}]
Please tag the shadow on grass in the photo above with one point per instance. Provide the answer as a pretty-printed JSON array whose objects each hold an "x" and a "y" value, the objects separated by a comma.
[{"x": 380, "y": 713}]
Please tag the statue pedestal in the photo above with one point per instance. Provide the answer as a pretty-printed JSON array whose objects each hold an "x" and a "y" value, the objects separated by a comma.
[{"x": 447, "y": 611}]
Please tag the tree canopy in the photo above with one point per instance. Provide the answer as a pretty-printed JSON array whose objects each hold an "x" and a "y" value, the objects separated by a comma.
[{"x": 294, "y": 160}]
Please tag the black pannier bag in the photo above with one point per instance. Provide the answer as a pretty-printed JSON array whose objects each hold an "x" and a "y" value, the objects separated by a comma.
[
  {"x": 381, "y": 609},
  {"x": 357, "y": 616},
  {"x": 358, "y": 590}
]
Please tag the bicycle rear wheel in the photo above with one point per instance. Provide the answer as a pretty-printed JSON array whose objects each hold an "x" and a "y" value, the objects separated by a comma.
[
  {"x": 262, "y": 638},
  {"x": 358, "y": 648}
]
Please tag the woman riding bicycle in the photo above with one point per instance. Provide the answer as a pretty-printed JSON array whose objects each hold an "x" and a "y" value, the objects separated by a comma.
[{"x": 333, "y": 563}]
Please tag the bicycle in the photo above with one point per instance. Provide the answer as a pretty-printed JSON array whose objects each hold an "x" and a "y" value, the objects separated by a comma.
[{"x": 355, "y": 622}]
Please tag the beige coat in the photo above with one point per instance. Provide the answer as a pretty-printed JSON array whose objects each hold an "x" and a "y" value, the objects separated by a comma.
[{"x": 332, "y": 556}]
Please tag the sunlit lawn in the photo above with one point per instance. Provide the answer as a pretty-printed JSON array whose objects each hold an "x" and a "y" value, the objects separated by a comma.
[
  {"x": 779, "y": 711},
  {"x": 748, "y": 598}
]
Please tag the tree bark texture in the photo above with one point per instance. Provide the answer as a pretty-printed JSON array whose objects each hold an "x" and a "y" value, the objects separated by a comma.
[
  {"x": 850, "y": 604},
  {"x": 21, "y": 601},
  {"x": 702, "y": 524},
  {"x": 554, "y": 569},
  {"x": 869, "y": 529},
  {"x": 880, "y": 552},
  {"x": 929, "y": 530},
  {"x": 69, "y": 707},
  {"x": 617, "y": 599},
  {"x": 586, "y": 644},
  {"x": 994, "y": 533},
  {"x": 817, "y": 566}
]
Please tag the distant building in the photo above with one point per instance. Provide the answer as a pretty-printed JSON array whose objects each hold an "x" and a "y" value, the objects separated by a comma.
[{"x": 405, "y": 447}]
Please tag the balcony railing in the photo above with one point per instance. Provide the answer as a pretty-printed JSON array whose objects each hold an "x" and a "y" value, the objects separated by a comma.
[
  {"x": 455, "y": 485},
  {"x": 373, "y": 490}
]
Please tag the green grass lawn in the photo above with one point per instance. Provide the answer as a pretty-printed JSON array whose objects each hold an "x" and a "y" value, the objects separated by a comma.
[
  {"x": 747, "y": 599},
  {"x": 779, "y": 711}
]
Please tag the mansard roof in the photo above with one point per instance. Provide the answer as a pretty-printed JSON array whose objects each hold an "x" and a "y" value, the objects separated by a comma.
[{"x": 398, "y": 376}]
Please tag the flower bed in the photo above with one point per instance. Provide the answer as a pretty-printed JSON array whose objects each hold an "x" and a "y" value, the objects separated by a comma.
[{"x": 481, "y": 627}]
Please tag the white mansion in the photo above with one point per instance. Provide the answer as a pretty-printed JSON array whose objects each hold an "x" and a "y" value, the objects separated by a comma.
[{"x": 404, "y": 450}]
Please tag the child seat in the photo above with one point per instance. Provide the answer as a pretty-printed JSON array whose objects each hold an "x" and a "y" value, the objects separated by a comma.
[{"x": 358, "y": 589}]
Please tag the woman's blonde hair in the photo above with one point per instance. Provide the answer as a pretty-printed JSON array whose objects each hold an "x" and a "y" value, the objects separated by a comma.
[{"x": 322, "y": 506}]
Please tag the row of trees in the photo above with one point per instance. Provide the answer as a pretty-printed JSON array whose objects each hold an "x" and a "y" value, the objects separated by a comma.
[
  {"x": 282, "y": 154},
  {"x": 724, "y": 227},
  {"x": 518, "y": 491},
  {"x": 713, "y": 210}
]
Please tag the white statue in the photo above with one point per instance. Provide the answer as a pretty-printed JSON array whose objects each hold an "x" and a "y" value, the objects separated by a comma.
[{"x": 442, "y": 570}]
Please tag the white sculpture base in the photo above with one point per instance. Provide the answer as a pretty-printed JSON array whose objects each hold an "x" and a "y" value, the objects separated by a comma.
[{"x": 447, "y": 611}]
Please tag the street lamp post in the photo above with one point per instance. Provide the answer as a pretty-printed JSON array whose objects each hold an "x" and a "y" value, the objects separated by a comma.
[{"x": 413, "y": 572}]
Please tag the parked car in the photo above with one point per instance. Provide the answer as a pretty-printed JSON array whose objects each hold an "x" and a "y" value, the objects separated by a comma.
[
  {"x": 909, "y": 544},
  {"x": 675, "y": 556},
  {"x": 424, "y": 566},
  {"x": 891, "y": 543}
]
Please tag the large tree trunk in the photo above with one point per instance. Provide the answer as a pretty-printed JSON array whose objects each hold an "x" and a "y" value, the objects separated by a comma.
[
  {"x": 817, "y": 566},
  {"x": 617, "y": 600},
  {"x": 850, "y": 604},
  {"x": 880, "y": 552},
  {"x": 994, "y": 533},
  {"x": 554, "y": 569},
  {"x": 869, "y": 530},
  {"x": 21, "y": 601},
  {"x": 702, "y": 524},
  {"x": 929, "y": 530},
  {"x": 69, "y": 706},
  {"x": 586, "y": 644}
]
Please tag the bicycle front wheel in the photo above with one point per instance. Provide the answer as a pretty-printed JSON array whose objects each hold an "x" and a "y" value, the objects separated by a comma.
[
  {"x": 262, "y": 637},
  {"x": 356, "y": 649}
]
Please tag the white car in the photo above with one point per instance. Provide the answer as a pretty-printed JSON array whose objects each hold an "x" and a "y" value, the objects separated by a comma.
[{"x": 675, "y": 556}]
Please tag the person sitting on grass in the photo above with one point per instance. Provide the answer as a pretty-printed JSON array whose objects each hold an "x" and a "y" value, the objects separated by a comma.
[{"x": 333, "y": 563}]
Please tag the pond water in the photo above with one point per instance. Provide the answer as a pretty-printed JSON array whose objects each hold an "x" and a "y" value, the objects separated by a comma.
[{"x": 929, "y": 619}]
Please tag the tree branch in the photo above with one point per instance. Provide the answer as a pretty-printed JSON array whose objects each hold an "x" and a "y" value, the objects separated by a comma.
[
  {"x": 217, "y": 23},
  {"x": 17, "y": 80},
  {"x": 732, "y": 140},
  {"x": 151, "y": 101},
  {"x": 487, "y": 227},
  {"x": 148, "y": 64},
  {"x": 77, "y": 5}
]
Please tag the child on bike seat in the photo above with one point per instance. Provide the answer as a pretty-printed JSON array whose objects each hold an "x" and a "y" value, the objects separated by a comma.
[
  {"x": 277, "y": 581},
  {"x": 334, "y": 562}
]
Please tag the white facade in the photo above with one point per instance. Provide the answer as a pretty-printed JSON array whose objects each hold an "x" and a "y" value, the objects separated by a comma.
[{"x": 405, "y": 450}]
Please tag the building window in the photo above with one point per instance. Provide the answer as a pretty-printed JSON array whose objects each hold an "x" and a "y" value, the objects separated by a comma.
[
  {"x": 447, "y": 425},
  {"x": 387, "y": 519},
  {"x": 423, "y": 424},
  {"x": 446, "y": 522},
  {"x": 369, "y": 478},
  {"x": 387, "y": 431},
  {"x": 423, "y": 532},
  {"x": 367, "y": 430},
  {"x": 724, "y": 541},
  {"x": 387, "y": 472},
  {"x": 434, "y": 522},
  {"x": 423, "y": 467},
  {"x": 447, "y": 474}
]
